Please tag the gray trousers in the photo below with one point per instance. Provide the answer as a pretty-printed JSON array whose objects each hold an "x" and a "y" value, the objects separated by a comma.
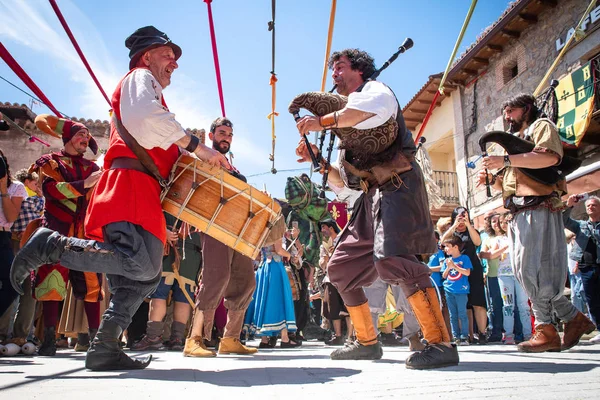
[
  {"x": 376, "y": 294},
  {"x": 538, "y": 255},
  {"x": 131, "y": 258}
]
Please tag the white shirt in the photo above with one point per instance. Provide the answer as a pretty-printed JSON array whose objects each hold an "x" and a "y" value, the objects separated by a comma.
[
  {"x": 143, "y": 114},
  {"x": 16, "y": 189},
  {"x": 374, "y": 98}
]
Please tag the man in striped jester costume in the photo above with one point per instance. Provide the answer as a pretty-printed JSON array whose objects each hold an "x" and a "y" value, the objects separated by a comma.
[{"x": 68, "y": 178}]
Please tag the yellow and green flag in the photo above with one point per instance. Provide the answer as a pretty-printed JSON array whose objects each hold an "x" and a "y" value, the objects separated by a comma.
[{"x": 575, "y": 94}]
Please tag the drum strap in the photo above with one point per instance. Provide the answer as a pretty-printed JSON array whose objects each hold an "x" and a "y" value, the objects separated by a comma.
[{"x": 140, "y": 152}]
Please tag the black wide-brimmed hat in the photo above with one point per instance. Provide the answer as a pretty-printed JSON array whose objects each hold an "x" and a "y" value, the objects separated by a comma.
[{"x": 145, "y": 39}]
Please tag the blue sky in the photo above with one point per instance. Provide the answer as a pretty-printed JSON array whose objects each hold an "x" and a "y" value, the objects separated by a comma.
[{"x": 35, "y": 38}]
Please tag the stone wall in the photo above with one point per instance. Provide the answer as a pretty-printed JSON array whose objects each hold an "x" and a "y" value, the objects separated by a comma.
[{"x": 534, "y": 52}]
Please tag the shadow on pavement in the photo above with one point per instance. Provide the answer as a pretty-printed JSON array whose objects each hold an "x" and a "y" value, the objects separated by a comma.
[{"x": 542, "y": 367}]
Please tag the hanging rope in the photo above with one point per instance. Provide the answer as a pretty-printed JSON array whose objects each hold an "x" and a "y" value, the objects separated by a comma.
[
  {"x": 440, "y": 90},
  {"x": 273, "y": 83},
  {"x": 328, "y": 46},
  {"x": 77, "y": 48},
  {"x": 578, "y": 33},
  {"x": 213, "y": 40},
  {"x": 14, "y": 65}
]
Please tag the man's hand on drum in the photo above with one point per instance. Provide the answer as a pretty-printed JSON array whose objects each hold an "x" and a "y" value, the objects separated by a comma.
[
  {"x": 302, "y": 151},
  {"x": 172, "y": 236},
  {"x": 212, "y": 157},
  {"x": 307, "y": 124}
]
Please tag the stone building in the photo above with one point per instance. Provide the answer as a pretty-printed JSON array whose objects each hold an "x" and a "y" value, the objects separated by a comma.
[
  {"x": 510, "y": 57},
  {"x": 22, "y": 152}
]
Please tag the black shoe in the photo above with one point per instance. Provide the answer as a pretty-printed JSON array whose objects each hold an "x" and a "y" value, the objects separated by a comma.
[
  {"x": 290, "y": 344},
  {"x": 390, "y": 339},
  {"x": 48, "y": 347},
  {"x": 434, "y": 356},
  {"x": 44, "y": 247},
  {"x": 105, "y": 354},
  {"x": 482, "y": 338},
  {"x": 335, "y": 341},
  {"x": 356, "y": 351}
]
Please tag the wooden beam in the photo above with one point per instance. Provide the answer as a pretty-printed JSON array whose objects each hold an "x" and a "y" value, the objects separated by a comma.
[
  {"x": 495, "y": 48},
  {"x": 469, "y": 71},
  {"x": 530, "y": 18},
  {"x": 511, "y": 33},
  {"x": 418, "y": 110},
  {"x": 432, "y": 91},
  {"x": 428, "y": 102},
  {"x": 481, "y": 60},
  {"x": 415, "y": 120}
]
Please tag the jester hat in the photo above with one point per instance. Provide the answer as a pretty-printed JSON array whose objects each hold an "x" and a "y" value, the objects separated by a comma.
[{"x": 63, "y": 129}]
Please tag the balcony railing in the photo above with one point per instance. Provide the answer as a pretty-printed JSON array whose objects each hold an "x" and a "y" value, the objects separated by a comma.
[{"x": 448, "y": 183}]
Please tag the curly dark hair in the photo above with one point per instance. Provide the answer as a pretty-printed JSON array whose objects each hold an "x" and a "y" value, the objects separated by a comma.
[
  {"x": 488, "y": 225},
  {"x": 359, "y": 60},
  {"x": 526, "y": 101},
  {"x": 23, "y": 174}
]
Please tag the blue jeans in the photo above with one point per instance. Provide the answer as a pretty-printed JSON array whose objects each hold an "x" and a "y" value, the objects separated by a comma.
[
  {"x": 591, "y": 285},
  {"x": 513, "y": 294},
  {"x": 496, "y": 307},
  {"x": 577, "y": 293},
  {"x": 457, "y": 306}
]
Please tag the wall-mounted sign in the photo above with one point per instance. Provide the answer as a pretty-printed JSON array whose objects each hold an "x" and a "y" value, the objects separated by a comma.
[{"x": 589, "y": 21}]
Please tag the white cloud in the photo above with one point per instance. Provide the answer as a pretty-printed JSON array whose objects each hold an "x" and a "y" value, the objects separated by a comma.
[{"x": 33, "y": 24}]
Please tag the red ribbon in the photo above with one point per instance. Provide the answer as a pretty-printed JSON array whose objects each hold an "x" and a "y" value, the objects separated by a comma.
[
  {"x": 213, "y": 40},
  {"x": 14, "y": 65},
  {"x": 77, "y": 48},
  {"x": 429, "y": 112}
]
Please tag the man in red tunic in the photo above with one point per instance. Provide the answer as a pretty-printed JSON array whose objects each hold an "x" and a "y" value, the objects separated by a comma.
[{"x": 125, "y": 218}]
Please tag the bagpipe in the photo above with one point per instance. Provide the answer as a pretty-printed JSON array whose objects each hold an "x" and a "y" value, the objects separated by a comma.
[
  {"x": 363, "y": 143},
  {"x": 515, "y": 145}
]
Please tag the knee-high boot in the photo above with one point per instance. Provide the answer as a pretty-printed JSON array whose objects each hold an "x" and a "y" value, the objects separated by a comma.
[
  {"x": 438, "y": 351},
  {"x": 366, "y": 347},
  {"x": 105, "y": 354}
]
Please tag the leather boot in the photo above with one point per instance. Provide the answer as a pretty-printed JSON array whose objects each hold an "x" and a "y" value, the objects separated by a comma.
[
  {"x": 44, "y": 247},
  {"x": 48, "y": 347},
  {"x": 575, "y": 329},
  {"x": 83, "y": 342},
  {"x": 428, "y": 312},
  {"x": 105, "y": 354},
  {"x": 545, "y": 338},
  {"x": 366, "y": 346},
  {"x": 230, "y": 344},
  {"x": 194, "y": 347}
]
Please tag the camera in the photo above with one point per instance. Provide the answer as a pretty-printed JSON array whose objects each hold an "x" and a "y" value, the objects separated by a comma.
[{"x": 582, "y": 197}]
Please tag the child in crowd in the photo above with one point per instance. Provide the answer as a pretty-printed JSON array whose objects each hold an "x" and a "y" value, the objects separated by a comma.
[{"x": 456, "y": 270}]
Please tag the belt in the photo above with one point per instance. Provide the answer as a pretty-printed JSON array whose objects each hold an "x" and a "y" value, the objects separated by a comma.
[{"x": 129, "y": 163}]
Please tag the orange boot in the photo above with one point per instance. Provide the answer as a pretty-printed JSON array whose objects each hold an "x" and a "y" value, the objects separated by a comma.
[
  {"x": 438, "y": 351},
  {"x": 366, "y": 347}
]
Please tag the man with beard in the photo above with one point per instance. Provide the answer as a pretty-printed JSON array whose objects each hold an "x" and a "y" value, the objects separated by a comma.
[
  {"x": 391, "y": 221},
  {"x": 538, "y": 249},
  {"x": 125, "y": 218},
  {"x": 225, "y": 274}
]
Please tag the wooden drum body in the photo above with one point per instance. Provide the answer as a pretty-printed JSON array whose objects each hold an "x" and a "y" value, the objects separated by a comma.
[{"x": 221, "y": 206}]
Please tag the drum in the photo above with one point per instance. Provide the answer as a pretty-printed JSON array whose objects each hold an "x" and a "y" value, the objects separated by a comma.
[{"x": 220, "y": 205}]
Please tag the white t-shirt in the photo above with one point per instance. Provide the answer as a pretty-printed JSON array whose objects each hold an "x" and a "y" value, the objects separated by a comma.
[
  {"x": 16, "y": 189},
  {"x": 504, "y": 267},
  {"x": 143, "y": 114},
  {"x": 374, "y": 98}
]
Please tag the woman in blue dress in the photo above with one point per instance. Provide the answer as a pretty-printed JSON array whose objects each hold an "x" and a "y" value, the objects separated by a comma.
[{"x": 271, "y": 311}]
